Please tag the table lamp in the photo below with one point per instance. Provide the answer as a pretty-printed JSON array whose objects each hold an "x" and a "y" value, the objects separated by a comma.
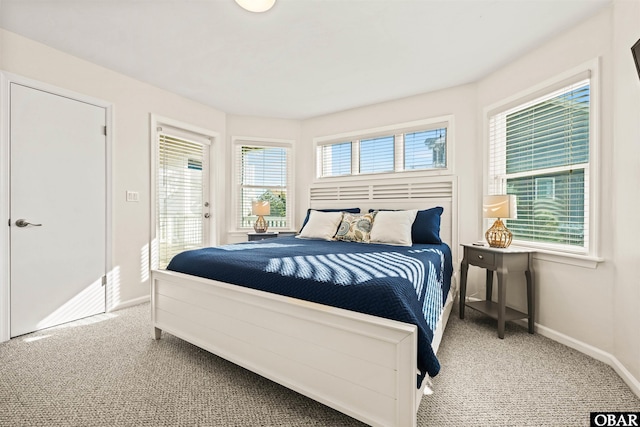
[
  {"x": 499, "y": 206},
  {"x": 260, "y": 208}
]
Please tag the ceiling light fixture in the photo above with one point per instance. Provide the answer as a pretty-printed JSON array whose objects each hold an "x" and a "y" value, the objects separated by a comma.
[{"x": 256, "y": 5}]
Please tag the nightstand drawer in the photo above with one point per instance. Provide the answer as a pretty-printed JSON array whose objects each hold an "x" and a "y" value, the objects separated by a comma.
[
  {"x": 254, "y": 237},
  {"x": 481, "y": 258}
]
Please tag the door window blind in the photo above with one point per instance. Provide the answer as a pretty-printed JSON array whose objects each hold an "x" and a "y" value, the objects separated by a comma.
[
  {"x": 180, "y": 192},
  {"x": 539, "y": 151},
  {"x": 263, "y": 174}
]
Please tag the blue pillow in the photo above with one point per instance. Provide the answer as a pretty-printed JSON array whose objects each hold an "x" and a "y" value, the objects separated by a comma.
[
  {"x": 426, "y": 227},
  {"x": 306, "y": 218}
]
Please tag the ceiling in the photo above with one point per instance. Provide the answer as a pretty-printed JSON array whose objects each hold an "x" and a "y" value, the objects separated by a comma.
[{"x": 303, "y": 58}]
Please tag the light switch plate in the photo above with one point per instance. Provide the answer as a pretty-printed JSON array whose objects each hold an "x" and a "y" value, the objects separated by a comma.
[{"x": 133, "y": 196}]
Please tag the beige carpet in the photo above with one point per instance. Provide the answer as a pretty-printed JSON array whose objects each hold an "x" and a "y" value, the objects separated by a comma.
[{"x": 107, "y": 371}]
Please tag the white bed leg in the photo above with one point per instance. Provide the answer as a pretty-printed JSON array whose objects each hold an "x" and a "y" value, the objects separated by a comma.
[
  {"x": 157, "y": 332},
  {"x": 428, "y": 386}
]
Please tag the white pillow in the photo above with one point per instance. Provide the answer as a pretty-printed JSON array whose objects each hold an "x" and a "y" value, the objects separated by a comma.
[
  {"x": 321, "y": 225},
  {"x": 393, "y": 227}
]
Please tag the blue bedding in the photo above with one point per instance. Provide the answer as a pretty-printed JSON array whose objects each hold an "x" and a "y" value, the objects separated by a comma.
[{"x": 408, "y": 284}]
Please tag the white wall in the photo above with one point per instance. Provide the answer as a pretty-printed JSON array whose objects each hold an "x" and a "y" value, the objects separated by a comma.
[
  {"x": 459, "y": 102},
  {"x": 597, "y": 307},
  {"x": 624, "y": 184},
  {"x": 574, "y": 301},
  {"x": 133, "y": 101}
]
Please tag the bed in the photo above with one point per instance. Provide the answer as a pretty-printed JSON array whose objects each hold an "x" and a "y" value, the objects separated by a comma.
[{"x": 364, "y": 365}]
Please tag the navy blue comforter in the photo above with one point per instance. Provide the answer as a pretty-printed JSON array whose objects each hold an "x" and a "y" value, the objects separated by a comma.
[{"x": 409, "y": 284}]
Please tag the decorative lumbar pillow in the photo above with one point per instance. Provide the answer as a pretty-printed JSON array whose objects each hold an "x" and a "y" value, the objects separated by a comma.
[
  {"x": 393, "y": 227},
  {"x": 321, "y": 225},
  {"x": 355, "y": 227},
  {"x": 306, "y": 218}
]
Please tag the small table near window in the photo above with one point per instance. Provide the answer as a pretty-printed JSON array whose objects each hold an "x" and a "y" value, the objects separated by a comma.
[
  {"x": 253, "y": 236},
  {"x": 503, "y": 262}
]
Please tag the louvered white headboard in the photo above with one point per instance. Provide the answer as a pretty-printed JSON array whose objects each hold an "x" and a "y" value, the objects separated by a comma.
[{"x": 395, "y": 193}]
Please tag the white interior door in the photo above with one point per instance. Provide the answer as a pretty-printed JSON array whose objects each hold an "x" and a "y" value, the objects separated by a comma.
[{"x": 58, "y": 186}]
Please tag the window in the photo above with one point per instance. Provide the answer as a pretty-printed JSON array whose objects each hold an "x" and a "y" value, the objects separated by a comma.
[
  {"x": 541, "y": 152},
  {"x": 181, "y": 204},
  {"x": 425, "y": 149},
  {"x": 416, "y": 146},
  {"x": 263, "y": 172},
  {"x": 336, "y": 159},
  {"x": 376, "y": 155}
]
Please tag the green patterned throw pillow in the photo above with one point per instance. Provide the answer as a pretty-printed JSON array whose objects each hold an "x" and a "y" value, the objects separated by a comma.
[{"x": 355, "y": 227}]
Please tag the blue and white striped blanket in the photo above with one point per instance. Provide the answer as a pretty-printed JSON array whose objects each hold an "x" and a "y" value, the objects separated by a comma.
[{"x": 408, "y": 284}]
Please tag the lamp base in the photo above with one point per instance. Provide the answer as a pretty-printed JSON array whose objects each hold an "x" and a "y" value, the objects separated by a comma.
[
  {"x": 260, "y": 225},
  {"x": 498, "y": 236}
]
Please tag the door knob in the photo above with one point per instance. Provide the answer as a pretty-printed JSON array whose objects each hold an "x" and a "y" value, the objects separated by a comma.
[{"x": 23, "y": 223}]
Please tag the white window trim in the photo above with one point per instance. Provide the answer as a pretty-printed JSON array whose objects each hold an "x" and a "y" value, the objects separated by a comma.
[
  {"x": 590, "y": 258},
  {"x": 356, "y": 136},
  {"x": 261, "y": 142}
]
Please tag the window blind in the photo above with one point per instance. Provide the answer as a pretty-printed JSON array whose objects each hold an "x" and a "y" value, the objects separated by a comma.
[
  {"x": 180, "y": 191},
  {"x": 377, "y": 154},
  {"x": 336, "y": 159},
  {"x": 539, "y": 151},
  {"x": 263, "y": 174}
]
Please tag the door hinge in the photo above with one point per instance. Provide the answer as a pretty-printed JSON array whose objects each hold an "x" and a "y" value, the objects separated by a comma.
[
  {"x": 104, "y": 130},
  {"x": 104, "y": 280}
]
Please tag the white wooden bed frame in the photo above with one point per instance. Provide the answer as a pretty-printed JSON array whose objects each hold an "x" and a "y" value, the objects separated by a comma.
[{"x": 362, "y": 365}]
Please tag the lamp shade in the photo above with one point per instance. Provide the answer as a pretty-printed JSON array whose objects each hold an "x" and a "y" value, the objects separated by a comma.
[
  {"x": 260, "y": 207},
  {"x": 499, "y": 206}
]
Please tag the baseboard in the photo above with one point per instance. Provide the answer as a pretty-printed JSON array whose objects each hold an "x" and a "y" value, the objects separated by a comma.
[
  {"x": 587, "y": 349},
  {"x": 130, "y": 303},
  {"x": 591, "y": 351}
]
